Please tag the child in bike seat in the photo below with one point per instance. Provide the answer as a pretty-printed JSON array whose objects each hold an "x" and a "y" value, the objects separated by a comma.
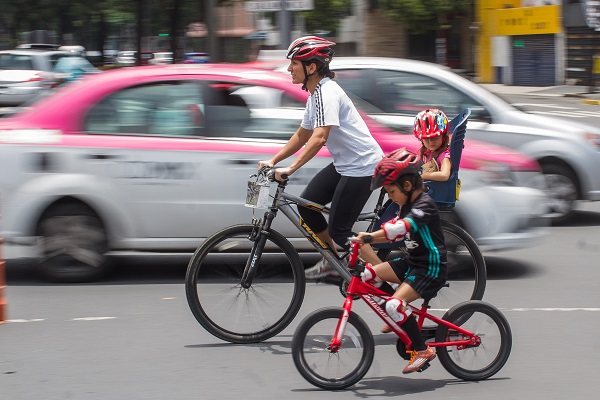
[
  {"x": 421, "y": 273},
  {"x": 431, "y": 128}
]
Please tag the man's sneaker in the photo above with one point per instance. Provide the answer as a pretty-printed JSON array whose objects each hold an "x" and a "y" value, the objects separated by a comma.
[
  {"x": 418, "y": 360},
  {"x": 322, "y": 269}
]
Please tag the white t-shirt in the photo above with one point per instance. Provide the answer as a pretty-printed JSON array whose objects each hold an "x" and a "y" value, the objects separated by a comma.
[{"x": 353, "y": 149}]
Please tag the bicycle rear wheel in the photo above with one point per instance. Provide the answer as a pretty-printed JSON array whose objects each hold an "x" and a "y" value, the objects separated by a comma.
[
  {"x": 481, "y": 361},
  {"x": 467, "y": 274},
  {"x": 325, "y": 368},
  {"x": 244, "y": 315}
]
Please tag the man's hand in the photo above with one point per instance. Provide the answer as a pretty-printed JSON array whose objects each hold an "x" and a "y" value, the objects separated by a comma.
[
  {"x": 265, "y": 164},
  {"x": 283, "y": 174}
]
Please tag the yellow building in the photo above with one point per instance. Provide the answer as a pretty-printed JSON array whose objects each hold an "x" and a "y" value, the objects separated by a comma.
[{"x": 519, "y": 45}]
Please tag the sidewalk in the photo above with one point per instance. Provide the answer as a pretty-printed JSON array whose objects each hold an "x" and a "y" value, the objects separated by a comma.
[{"x": 547, "y": 91}]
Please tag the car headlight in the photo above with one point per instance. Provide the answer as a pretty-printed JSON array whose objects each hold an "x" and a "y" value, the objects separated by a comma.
[
  {"x": 495, "y": 173},
  {"x": 593, "y": 139}
]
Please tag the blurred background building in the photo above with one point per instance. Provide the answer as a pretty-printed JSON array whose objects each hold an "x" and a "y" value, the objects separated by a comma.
[{"x": 516, "y": 42}]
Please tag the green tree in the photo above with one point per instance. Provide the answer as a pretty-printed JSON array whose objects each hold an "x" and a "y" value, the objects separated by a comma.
[
  {"x": 327, "y": 14},
  {"x": 420, "y": 16}
]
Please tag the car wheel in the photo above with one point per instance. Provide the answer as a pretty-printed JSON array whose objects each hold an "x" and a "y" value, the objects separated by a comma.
[
  {"x": 561, "y": 188},
  {"x": 73, "y": 244}
]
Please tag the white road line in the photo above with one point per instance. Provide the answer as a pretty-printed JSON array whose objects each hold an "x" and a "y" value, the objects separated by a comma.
[
  {"x": 25, "y": 320},
  {"x": 553, "y": 309},
  {"x": 591, "y": 113},
  {"x": 561, "y": 113},
  {"x": 543, "y": 105}
]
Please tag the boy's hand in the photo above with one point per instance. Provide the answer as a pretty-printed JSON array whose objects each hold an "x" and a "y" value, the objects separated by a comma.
[{"x": 364, "y": 237}]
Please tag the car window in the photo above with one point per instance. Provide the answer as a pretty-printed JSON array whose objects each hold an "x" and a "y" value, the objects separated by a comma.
[
  {"x": 54, "y": 59},
  {"x": 408, "y": 93},
  {"x": 16, "y": 61},
  {"x": 356, "y": 81},
  {"x": 208, "y": 109},
  {"x": 160, "y": 109},
  {"x": 250, "y": 111}
]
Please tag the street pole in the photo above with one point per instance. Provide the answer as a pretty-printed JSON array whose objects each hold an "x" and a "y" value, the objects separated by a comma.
[
  {"x": 284, "y": 26},
  {"x": 3, "y": 301}
]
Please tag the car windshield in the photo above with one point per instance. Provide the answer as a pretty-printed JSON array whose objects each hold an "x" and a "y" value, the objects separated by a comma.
[{"x": 16, "y": 61}]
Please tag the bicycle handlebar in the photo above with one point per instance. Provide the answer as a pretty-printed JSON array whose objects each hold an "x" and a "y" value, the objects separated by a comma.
[{"x": 267, "y": 172}]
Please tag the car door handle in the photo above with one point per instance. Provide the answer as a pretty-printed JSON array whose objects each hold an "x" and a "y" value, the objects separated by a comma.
[
  {"x": 243, "y": 162},
  {"x": 97, "y": 156}
]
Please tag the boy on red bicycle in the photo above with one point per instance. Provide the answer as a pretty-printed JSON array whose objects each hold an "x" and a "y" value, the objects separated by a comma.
[{"x": 422, "y": 272}]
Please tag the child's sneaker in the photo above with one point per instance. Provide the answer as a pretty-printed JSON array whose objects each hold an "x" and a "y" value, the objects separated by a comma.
[{"x": 418, "y": 359}]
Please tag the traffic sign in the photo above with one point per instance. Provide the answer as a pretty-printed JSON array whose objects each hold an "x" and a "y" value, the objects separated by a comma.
[
  {"x": 592, "y": 13},
  {"x": 275, "y": 5}
]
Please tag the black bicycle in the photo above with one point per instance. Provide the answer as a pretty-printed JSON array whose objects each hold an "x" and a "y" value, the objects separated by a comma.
[{"x": 246, "y": 283}]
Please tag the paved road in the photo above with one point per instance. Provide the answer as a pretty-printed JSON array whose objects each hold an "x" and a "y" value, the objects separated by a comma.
[{"x": 133, "y": 337}]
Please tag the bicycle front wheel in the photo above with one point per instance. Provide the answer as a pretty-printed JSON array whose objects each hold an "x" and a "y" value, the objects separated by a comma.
[
  {"x": 234, "y": 313},
  {"x": 477, "y": 361},
  {"x": 332, "y": 369}
]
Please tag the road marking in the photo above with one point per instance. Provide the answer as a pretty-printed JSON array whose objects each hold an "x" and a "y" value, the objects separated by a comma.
[
  {"x": 543, "y": 105},
  {"x": 25, "y": 320},
  {"x": 553, "y": 309},
  {"x": 591, "y": 101},
  {"x": 560, "y": 113}
]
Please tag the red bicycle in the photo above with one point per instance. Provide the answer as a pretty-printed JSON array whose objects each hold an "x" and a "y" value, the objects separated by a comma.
[{"x": 333, "y": 348}]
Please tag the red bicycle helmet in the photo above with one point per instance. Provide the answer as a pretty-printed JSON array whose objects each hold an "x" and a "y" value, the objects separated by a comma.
[
  {"x": 397, "y": 165},
  {"x": 309, "y": 48},
  {"x": 430, "y": 123}
]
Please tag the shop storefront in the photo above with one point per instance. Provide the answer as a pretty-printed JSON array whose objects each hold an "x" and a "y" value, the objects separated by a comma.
[{"x": 522, "y": 46}]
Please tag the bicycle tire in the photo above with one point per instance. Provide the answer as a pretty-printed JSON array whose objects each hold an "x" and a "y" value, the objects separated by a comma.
[
  {"x": 473, "y": 363},
  {"x": 467, "y": 272},
  {"x": 235, "y": 314},
  {"x": 324, "y": 368}
]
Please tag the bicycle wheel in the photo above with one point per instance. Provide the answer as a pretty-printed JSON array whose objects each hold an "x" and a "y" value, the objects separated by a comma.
[
  {"x": 328, "y": 369},
  {"x": 467, "y": 274},
  {"x": 244, "y": 315},
  {"x": 481, "y": 361}
]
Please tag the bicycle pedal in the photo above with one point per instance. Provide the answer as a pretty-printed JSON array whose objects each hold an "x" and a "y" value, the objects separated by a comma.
[{"x": 424, "y": 367}]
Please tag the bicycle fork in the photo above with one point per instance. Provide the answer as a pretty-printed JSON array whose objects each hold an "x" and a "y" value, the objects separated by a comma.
[
  {"x": 336, "y": 341},
  {"x": 259, "y": 236}
]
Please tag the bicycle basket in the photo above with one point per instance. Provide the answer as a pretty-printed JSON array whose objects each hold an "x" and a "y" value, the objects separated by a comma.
[{"x": 257, "y": 195}]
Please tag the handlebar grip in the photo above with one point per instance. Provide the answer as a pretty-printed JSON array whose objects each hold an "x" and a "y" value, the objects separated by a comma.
[
  {"x": 367, "y": 239},
  {"x": 284, "y": 176}
]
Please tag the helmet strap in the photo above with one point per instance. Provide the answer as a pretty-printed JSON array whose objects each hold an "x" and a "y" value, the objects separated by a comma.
[
  {"x": 306, "y": 76},
  {"x": 408, "y": 193}
]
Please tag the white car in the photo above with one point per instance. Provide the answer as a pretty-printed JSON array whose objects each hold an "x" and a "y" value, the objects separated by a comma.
[
  {"x": 24, "y": 73},
  {"x": 568, "y": 152},
  {"x": 157, "y": 159},
  {"x": 161, "y": 58}
]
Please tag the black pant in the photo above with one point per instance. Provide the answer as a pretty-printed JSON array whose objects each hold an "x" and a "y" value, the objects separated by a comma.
[{"x": 347, "y": 195}]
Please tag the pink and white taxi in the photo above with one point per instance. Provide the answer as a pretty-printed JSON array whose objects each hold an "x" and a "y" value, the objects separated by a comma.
[{"x": 157, "y": 158}]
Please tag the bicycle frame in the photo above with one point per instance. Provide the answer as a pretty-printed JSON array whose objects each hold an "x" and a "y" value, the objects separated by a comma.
[
  {"x": 367, "y": 293},
  {"x": 284, "y": 201}
]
